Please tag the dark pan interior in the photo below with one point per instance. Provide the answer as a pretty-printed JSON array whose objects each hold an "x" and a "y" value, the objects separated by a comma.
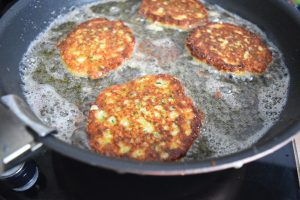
[{"x": 27, "y": 18}]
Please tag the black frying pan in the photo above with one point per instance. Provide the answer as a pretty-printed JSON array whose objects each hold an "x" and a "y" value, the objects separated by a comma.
[{"x": 278, "y": 20}]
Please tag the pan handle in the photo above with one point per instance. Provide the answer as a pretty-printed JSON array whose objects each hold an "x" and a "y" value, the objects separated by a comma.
[{"x": 18, "y": 129}]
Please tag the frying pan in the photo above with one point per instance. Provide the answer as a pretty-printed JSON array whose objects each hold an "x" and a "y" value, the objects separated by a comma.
[{"x": 27, "y": 18}]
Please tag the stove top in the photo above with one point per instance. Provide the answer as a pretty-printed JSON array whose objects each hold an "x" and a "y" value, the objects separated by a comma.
[{"x": 273, "y": 177}]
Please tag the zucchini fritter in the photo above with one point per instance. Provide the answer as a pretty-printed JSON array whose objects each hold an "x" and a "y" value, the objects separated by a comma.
[
  {"x": 229, "y": 48},
  {"x": 149, "y": 118},
  {"x": 182, "y": 14},
  {"x": 97, "y": 47}
]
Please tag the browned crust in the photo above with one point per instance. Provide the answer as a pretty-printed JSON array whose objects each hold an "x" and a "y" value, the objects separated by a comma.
[
  {"x": 97, "y": 47},
  {"x": 188, "y": 120},
  {"x": 182, "y": 14},
  {"x": 229, "y": 48}
]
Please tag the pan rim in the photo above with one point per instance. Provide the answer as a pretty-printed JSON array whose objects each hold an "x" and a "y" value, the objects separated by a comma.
[{"x": 120, "y": 165}]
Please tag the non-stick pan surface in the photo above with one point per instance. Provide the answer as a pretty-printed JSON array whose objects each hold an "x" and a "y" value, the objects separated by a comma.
[{"x": 26, "y": 19}]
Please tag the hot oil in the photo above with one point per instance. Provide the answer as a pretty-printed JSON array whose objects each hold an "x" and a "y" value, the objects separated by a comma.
[{"x": 238, "y": 110}]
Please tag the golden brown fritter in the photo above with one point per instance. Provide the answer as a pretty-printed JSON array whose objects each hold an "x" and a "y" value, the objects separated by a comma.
[
  {"x": 229, "y": 48},
  {"x": 182, "y": 14},
  {"x": 148, "y": 118},
  {"x": 96, "y": 47}
]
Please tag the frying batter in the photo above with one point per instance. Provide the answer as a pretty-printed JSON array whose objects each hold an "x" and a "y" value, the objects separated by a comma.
[
  {"x": 97, "y": 47},
  {"x": 229, "y": 48},
  {"x": 181, "y": 14},
  {"x": 149, "y": 118}
]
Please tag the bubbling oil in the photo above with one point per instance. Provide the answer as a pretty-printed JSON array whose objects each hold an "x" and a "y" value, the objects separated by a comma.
[{"x": 238, "y": 110}]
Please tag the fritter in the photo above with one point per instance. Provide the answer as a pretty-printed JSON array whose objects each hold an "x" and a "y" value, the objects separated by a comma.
[
  {"x": 97, "y": 47},
  {"x": 229, "y": 48},
  {"x": 182, "y": 14},
  {"x": 148, "y": 118}
]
